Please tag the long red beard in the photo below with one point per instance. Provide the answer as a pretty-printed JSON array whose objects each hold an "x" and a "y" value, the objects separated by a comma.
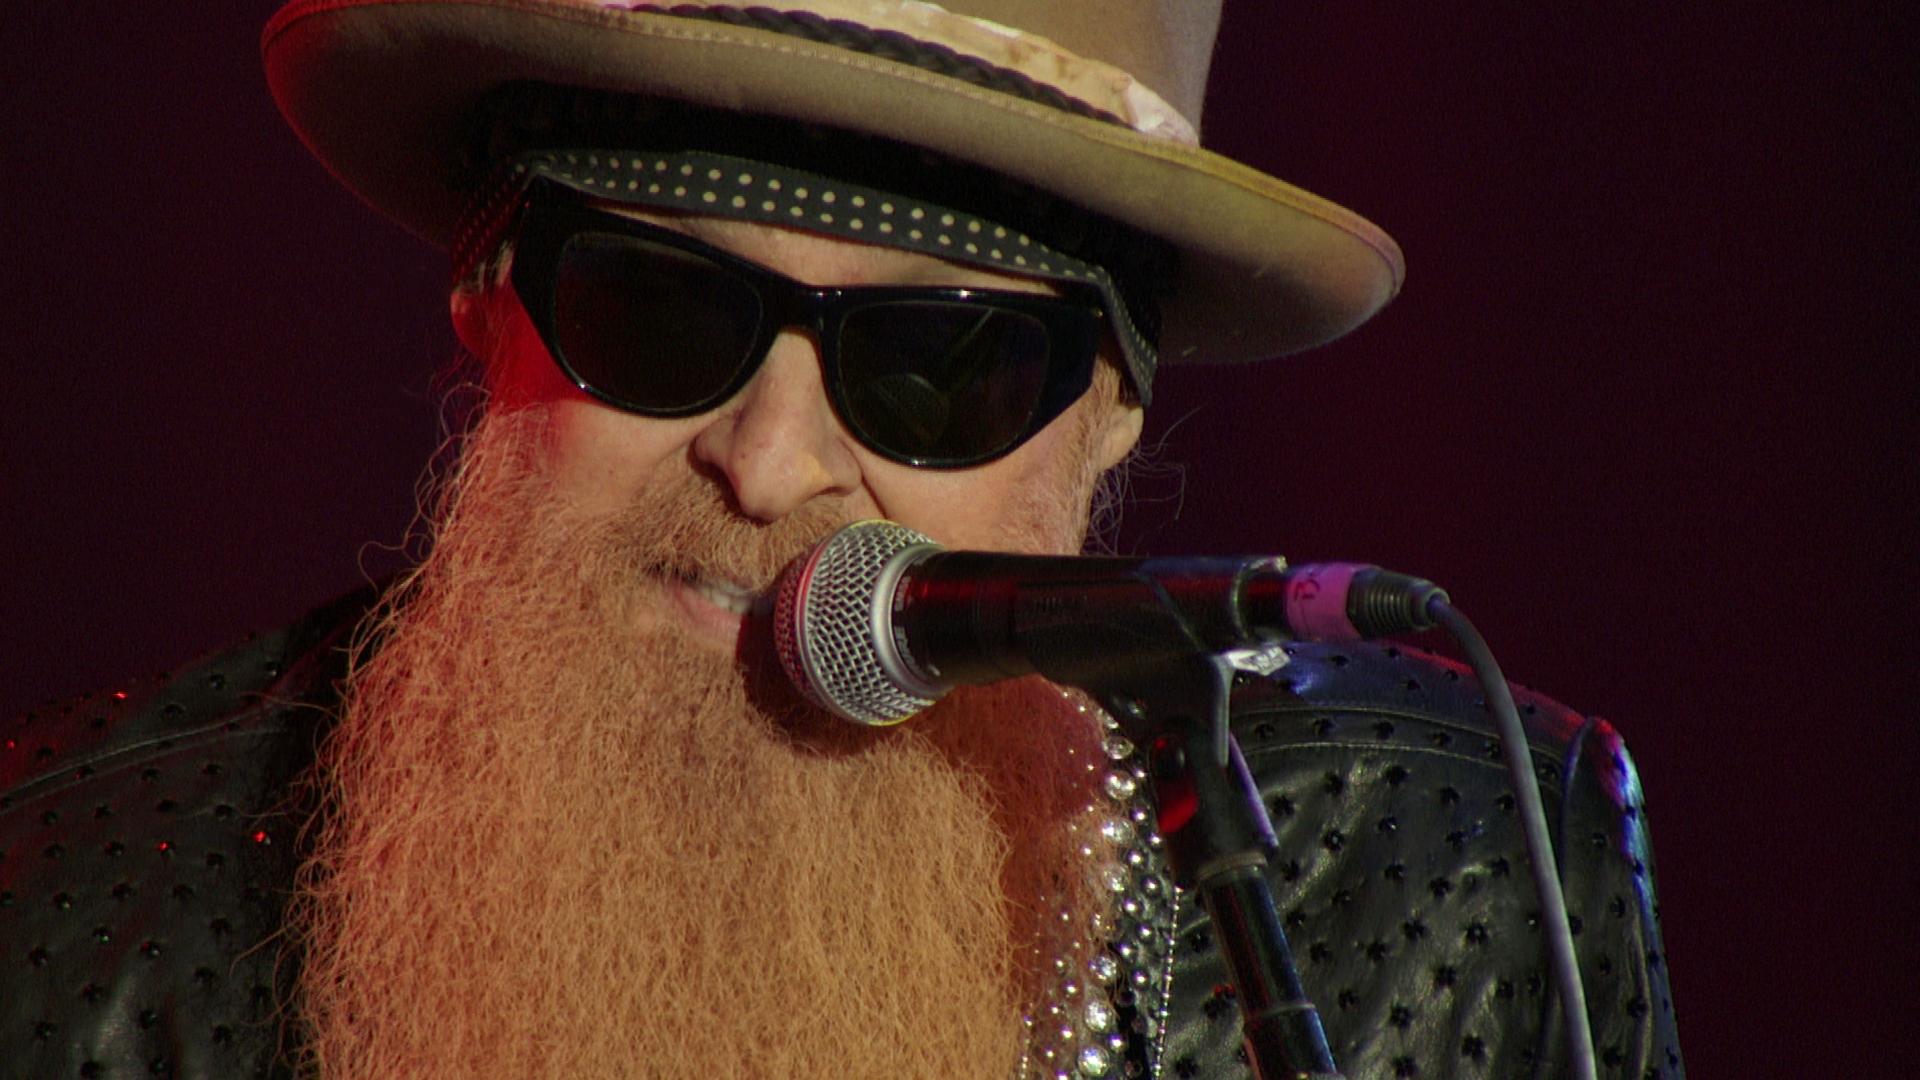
[{"x": 560, "y": 839}]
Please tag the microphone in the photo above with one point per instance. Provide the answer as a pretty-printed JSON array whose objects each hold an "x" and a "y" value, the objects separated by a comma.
[{"x": 878, "y": 621}]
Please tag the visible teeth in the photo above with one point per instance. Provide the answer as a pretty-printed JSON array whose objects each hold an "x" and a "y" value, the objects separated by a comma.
[{"x": 731, "y": 598}]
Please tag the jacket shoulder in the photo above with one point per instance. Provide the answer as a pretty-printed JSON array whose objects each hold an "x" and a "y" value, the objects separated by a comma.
[
  {"x": 1402, "y": 880},
  {"x": 147, "y": 842}
]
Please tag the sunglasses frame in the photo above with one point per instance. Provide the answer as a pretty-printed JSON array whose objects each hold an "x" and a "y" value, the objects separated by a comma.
[{"x": 549, "y": 215}]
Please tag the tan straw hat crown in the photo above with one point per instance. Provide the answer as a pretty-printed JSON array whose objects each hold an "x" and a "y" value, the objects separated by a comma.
[{"x": 1096, "y": 104}]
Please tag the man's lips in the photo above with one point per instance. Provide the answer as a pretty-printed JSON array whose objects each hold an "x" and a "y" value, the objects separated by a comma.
[
  {"x": 714, "y": 610},
  {"x": 737, "y": 599}
]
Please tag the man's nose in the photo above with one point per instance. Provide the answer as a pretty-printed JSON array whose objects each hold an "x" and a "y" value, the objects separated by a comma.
[{"x": 778, "y": 441}]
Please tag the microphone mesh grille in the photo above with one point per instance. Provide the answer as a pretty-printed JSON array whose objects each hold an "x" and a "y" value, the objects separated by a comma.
[{"x": 824, "y": 624}]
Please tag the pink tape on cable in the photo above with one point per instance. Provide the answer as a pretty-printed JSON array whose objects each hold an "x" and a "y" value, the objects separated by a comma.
[{"x": 1317, "y": 600}]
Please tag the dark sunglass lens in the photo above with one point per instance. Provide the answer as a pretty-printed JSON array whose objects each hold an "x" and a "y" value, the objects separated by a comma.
[
  {"x": 653, "y": 327},
  {"x": 943, "y": 381}
]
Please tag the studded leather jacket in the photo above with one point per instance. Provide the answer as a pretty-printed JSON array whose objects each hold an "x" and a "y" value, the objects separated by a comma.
[{"x": 148, "y": 838}]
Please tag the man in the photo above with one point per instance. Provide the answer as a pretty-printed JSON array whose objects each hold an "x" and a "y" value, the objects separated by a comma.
[{"x": 735, "y": 278}]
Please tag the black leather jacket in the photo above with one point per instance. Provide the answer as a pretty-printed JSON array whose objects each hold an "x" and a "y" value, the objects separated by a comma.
[{"x": 148, "y": 837}]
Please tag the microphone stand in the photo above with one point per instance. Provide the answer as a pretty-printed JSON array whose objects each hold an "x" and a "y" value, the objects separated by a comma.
[{"x": 1218, "y": 840}]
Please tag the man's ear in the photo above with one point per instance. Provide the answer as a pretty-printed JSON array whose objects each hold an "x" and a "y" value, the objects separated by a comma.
[
  {"x": 473, "y": 321},
  {"x": 1119, "y": 433},
  {"x": 479, "y": 305},
  {"x": 516, "y": 369}
]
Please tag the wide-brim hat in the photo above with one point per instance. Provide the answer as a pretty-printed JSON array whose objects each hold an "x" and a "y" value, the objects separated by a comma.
[{"x": 1092, "y": 102}]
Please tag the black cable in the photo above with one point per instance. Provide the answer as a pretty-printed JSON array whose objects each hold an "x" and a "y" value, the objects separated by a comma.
[
  {"x": 1533, "y": 822},
  {"x": 1562, "y": 841}
]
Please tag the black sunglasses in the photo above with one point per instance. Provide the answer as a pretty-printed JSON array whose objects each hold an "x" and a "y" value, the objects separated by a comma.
[{"x": 657, "y": 323}]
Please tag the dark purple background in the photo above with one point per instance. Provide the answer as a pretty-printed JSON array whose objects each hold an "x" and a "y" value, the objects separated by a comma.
[{"x": 1641, "y": 406}]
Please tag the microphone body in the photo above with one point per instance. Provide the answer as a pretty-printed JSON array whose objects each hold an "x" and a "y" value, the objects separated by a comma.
[
  {"x": 971, "y": 617},
  {"x": 879, "y": 621}
]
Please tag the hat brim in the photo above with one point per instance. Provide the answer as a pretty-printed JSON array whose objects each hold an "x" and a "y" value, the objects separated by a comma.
[{"x": 379, "y": 90}]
